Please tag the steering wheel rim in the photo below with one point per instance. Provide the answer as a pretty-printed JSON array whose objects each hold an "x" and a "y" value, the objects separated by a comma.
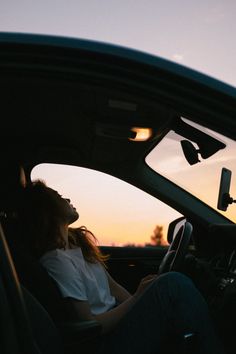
[{"x": 177, "y": 250}]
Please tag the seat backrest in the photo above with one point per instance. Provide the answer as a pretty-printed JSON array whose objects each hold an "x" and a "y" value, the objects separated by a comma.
[
  {"x": 45, "y": 333},
  {"x": 34, "y": 329},
  {"x": 33, "y": 276}
]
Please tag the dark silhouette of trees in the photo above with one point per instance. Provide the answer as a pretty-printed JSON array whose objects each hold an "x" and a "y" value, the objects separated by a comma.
[{"x": 157, "y": 238}]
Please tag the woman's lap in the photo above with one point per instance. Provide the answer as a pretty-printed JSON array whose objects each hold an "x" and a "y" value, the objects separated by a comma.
[{"x": 169, "y": 308}]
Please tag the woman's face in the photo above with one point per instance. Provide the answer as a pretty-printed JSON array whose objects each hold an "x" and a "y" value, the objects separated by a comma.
[{"x": 67, "y": 211}]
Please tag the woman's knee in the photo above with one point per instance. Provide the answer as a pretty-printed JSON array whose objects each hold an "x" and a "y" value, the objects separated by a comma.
[
  {"x": 174, "y": 278},
  {"x": 173, "y": 283},
  {"x": 179, "y": 278}
]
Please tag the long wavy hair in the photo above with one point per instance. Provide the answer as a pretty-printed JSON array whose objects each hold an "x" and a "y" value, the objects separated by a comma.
[{"x": 40, "y": 219}]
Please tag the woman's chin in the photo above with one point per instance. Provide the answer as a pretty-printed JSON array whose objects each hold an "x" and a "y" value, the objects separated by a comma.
[{"x": 74, "y": 216}]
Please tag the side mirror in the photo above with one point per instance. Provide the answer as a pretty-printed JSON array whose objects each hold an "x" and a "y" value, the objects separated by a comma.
[{"x": 174, "y": 227}]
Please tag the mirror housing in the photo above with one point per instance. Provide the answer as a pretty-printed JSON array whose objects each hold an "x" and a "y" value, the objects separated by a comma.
[{"x": 190, "y": 152}]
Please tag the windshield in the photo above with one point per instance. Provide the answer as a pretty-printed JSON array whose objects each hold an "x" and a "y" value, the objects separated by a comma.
[{"x": 201, "y": 179}]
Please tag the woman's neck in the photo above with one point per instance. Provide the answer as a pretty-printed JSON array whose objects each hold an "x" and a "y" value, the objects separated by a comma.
[{"x": 64, "y": 231}]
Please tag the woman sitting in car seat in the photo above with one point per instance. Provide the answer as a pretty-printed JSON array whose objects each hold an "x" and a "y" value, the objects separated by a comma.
[{"x": 162, "y": 309}]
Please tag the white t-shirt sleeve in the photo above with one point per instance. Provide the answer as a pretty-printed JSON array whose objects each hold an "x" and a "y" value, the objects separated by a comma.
[{"x": 67, "y": 277}]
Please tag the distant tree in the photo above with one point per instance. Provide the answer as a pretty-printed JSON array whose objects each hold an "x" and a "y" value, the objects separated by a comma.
[
  {"x": 157, "y": 238},
  {"x": 131, "y": 245}
]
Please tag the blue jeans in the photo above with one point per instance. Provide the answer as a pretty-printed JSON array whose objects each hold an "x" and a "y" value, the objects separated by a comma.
[{"x": 167, "y": 310}]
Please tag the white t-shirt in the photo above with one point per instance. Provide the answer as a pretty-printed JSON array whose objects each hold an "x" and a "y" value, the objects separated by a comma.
[{"x": 79, "y": 279}]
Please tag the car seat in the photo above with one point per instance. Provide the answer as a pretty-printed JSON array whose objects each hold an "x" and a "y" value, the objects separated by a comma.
[
  {"x": 29, "y": 328},
  {"x": 41, "y": 293}
]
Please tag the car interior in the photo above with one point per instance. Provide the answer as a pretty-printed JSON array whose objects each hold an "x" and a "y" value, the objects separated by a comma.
[{"x": 83, "y": 104}]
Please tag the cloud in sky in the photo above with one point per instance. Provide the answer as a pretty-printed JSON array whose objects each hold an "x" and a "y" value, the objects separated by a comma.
[{"x": 178, "y": 57}]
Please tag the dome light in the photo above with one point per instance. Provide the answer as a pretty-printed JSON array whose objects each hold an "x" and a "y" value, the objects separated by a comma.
[{"x": 142, "y": 134}]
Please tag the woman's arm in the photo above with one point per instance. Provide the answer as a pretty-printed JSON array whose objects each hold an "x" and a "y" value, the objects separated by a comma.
[
  {"x": 118, "y": 291},
  {"x": 82, "y": 312},
  {"x": 111, "y": 318}
]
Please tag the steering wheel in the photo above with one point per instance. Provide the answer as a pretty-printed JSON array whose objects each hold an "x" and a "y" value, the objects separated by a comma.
[{"x": 177, "y": 250}]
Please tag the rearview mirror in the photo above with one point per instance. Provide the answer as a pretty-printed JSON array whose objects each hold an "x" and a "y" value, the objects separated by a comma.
[
  {"x": 208, "y": 145},
  {"x": 190, "y": 152}
]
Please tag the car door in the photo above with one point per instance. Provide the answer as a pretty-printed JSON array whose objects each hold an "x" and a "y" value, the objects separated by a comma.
[{"x": 128, "y": 265}]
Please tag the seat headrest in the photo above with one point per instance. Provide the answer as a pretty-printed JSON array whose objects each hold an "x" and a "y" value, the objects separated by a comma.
[{"x": 12, "y": 181}]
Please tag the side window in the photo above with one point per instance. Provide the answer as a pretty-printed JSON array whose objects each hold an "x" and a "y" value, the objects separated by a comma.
[{"x": 118, "y": 213}]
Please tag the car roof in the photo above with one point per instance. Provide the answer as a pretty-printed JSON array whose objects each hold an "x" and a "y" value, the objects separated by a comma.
[{"x": 64, "y": 96}]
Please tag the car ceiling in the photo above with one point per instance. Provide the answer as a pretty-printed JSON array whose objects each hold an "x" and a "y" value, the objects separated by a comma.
[{"x": 58, "y": 101}]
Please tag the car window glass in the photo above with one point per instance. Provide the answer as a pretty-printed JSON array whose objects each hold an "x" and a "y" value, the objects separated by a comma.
[
  {"x": 118, "y": 213},
  {"x": 201, "y": 179}
]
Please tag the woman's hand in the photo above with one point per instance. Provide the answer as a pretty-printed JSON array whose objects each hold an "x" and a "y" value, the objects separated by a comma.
[{"x": 144, "y": 283}]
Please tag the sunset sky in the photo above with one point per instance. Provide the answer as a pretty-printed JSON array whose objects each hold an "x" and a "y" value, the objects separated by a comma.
[
  {"x": 197, "y": 34},
  {"x": 115, "y": 211}
]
